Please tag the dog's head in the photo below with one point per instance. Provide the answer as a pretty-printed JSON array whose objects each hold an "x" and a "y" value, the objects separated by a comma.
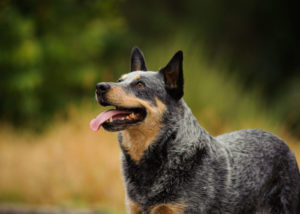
[{"x": 140, "y": 96}]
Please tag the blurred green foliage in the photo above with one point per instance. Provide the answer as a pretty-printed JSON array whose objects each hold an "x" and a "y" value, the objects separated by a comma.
[{"x": 53, "y": 52}]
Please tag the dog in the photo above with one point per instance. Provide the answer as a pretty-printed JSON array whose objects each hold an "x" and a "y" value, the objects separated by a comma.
[{"x": 171, "y": 165}]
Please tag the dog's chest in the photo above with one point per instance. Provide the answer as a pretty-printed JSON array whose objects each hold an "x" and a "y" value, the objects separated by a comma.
[
  {"x": 158, "y": 180},
  {"x": 144, "y": 179},
  {"x": 150, "y": 182}
]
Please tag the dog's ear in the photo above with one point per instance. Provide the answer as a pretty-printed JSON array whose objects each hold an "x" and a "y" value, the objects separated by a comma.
[
  {"x": 173, "y": 76},
  {"x": 137, "y": 60}
]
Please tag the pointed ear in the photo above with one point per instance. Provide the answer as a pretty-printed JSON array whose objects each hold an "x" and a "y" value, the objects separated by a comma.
[
  {"x": 137, "y": 60},
  {"x": 173, "y": 76}
]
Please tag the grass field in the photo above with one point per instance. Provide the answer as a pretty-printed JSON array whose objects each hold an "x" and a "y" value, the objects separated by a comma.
[{"x": 69, "y": 165}]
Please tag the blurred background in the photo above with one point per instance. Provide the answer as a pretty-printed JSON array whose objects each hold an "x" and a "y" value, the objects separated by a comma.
[{"x": 241, "y": 67}]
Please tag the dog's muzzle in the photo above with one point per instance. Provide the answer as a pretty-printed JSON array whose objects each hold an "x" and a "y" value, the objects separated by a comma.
[{"x": 101, "y": 89}]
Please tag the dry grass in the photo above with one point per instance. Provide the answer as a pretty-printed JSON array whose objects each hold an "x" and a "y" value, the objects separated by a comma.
[{"x": 70, "y": 165}]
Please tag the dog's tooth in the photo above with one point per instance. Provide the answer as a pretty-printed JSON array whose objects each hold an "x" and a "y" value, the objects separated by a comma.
[
  {"x": 132, "y": 115},
  {"x": 110, "y": 119}
]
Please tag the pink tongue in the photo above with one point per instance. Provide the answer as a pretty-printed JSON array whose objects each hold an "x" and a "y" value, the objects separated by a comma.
[{"x": 96, "y": 123}]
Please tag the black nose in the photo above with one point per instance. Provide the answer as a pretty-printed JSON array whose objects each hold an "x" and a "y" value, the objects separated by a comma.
[{"x": 102, "y": 88}]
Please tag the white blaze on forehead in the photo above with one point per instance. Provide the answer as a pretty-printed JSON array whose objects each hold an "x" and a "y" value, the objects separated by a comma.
[
  {"x": 123, "y": 77},
  {"x": 136, "y": 75}
]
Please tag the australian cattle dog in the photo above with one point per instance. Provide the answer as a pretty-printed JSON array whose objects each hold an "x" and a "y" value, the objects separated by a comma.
[{"x": 171, "y": 165}]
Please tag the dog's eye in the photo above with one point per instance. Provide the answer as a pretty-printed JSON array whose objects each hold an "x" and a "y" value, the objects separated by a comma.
[{"x": 140, "y": 84}]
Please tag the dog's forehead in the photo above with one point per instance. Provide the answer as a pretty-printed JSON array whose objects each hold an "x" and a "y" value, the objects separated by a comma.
[{"x": 138, "y": 75}]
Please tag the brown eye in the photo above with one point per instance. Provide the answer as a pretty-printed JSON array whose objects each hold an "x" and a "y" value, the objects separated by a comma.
[{"x": 140, "y": 84}]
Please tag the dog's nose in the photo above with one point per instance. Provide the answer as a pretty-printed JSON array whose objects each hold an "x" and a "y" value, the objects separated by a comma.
[{"x": 102, "y": 87}]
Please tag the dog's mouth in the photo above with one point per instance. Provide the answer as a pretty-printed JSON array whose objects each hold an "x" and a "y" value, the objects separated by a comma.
[{"x": 119, "y": 118}]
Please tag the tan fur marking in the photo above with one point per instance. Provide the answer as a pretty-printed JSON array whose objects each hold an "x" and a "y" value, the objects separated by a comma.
[
  {"x": 137, "y": 138},
  {"x": 137, "y": 77},
  {"x": 134, "y": 208},
  {"x": 175, "y": 208}
]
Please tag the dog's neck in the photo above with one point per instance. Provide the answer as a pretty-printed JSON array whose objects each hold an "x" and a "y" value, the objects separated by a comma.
[
  {"x": 180, "y": 125},
  {"x": 135, "y": 140},
  {"x": 190, "y": 135}
]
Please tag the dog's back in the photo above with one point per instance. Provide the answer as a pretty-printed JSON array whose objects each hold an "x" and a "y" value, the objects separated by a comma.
[{"x": 263, "y": 168}]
